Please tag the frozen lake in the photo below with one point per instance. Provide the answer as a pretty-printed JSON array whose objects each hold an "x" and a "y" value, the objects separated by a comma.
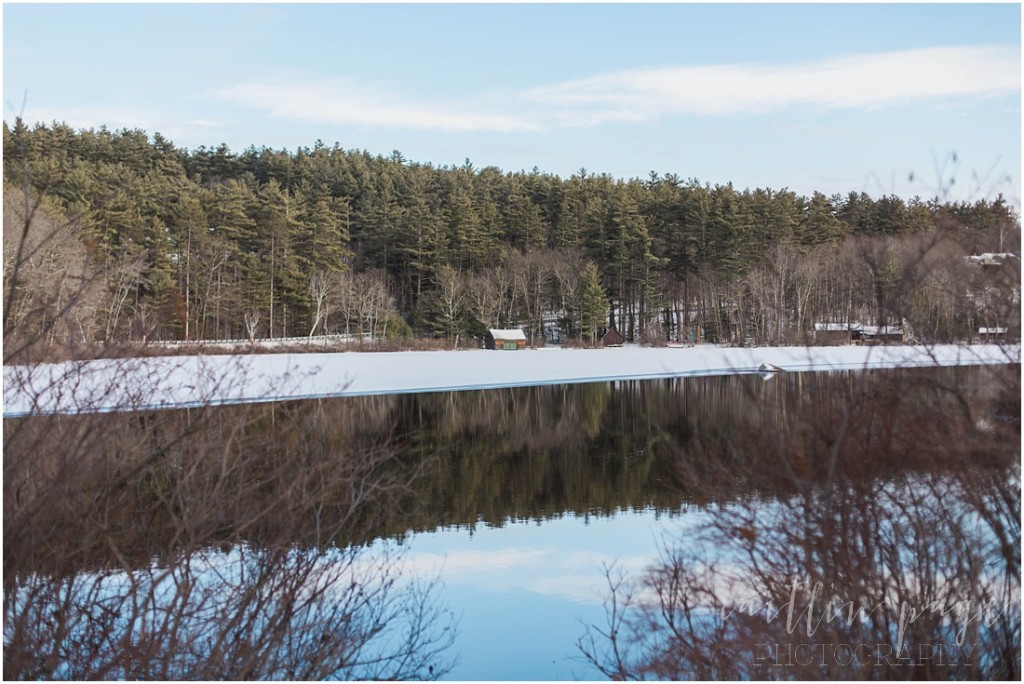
[{"x": 183, "y": 381}]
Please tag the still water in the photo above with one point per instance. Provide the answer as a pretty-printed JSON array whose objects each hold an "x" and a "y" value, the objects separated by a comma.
[
  {"x": 516, "y": 501},
  {"x": 524, "y": 590},
  {"x": 537, "y": 491}
]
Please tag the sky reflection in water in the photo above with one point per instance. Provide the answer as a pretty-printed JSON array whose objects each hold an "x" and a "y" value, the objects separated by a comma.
[{"x": 525, "y": 590}]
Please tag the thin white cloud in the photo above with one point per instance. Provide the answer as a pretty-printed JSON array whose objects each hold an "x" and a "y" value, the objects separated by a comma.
[
  {"x": 349, "y": 102},
  {"x": 637, "y": 95},
  {"x": 859, "y": 81},
  {"x": 573, "y": 575},
  {"x": 628, "y": 96}
]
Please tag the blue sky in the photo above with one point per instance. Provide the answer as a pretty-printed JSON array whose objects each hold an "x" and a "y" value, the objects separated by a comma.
[{"x": 807, "y": 96}]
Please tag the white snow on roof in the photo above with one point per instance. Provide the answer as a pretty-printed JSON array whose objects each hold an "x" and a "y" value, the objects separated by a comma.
[
  {"x": 859, "y": 327},
  {"x": 883, "y": 330},
  {"x": 992, "y": 258},
  {"x": 508, "y": 334},
  {"x": 991, "y": 331}
]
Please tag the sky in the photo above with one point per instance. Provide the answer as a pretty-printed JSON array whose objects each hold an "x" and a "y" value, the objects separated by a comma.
[{"x": 906, "y": 99}]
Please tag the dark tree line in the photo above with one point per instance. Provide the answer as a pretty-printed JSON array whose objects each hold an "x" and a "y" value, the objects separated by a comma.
[{"x": 212, "y": 244}]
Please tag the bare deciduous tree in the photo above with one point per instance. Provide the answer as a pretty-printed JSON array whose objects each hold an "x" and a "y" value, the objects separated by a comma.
[
  {"x": 450, "y": 299},
  {"x": 208, "y": 543},
  {"x": 124, "y": 275},
  {"x": 566, "y": 271},
  {"x": 319, "y": 291},
  {"x": 53, "y": 296},
  {"x": 252, "y": 322},
  {"x": 884, "y": 542},
  {"x": 364, "y": 302}
]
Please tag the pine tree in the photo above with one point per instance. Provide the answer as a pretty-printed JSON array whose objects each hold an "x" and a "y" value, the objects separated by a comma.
[
  {"x": 323, "y": 230},
  {"x": 523, "y": 224},
  {"x": 287, "y": 300},
  {"x": 820, "y": 223},
  {"x": 593, "y": 302}
]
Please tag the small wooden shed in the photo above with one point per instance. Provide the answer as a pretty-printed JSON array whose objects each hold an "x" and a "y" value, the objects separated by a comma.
[
  {"x": 886, "y": 334},
  {"x": 510, "y": 339},
  {"x": 613, "y": 338},
  {"x": 836, "y": 333},
  {"x": 995, "y": 334}
]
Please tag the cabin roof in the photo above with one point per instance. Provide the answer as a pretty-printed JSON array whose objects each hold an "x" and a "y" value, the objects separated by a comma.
[
  {"x": 992, "y": 258},
  {"x": 508, "y": 334},
  {"x": 882, "y": 330},
  {"x": 859, "y": 327},
  {"x": 837, "y": 327}
]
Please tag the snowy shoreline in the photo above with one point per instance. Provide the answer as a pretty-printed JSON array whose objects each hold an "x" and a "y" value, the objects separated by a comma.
[{"x": 189, "y": 381}]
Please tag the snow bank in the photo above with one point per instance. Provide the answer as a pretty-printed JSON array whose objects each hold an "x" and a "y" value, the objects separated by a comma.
[{"x": 184, "y": 381}]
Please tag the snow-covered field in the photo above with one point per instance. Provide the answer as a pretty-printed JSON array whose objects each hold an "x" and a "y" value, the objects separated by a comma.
[{"x": 181, "y": 381}]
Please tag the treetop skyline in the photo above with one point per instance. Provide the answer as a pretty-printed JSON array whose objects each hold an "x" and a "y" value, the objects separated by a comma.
[{"x": 882, "y": 99}]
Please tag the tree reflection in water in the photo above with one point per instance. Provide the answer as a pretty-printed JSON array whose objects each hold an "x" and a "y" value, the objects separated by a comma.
[
  {"x": 883, "y": 540},
  {"x": 228, "y": 542},
  {"x": 209, "y": 544}
]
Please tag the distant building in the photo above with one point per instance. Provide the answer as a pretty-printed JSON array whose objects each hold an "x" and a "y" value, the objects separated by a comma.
[
  {"x": 834, "y": 333},
  {"x": 993, "y": 258},
  {"x": 992, "y": 334},
  {"x": 505, "y": 339},
  {"x": 857, "y": 333},
  {"x": 994, "y": 294},
  {"x": 886, "y": 334},
  {"x": 613, "y": 338}
]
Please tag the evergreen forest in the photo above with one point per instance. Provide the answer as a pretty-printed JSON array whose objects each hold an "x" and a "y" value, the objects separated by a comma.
[{"x": 119, "y": 236}]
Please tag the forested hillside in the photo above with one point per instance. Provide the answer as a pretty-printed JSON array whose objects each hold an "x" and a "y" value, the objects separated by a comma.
[{"x": 117, "y": 236}]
